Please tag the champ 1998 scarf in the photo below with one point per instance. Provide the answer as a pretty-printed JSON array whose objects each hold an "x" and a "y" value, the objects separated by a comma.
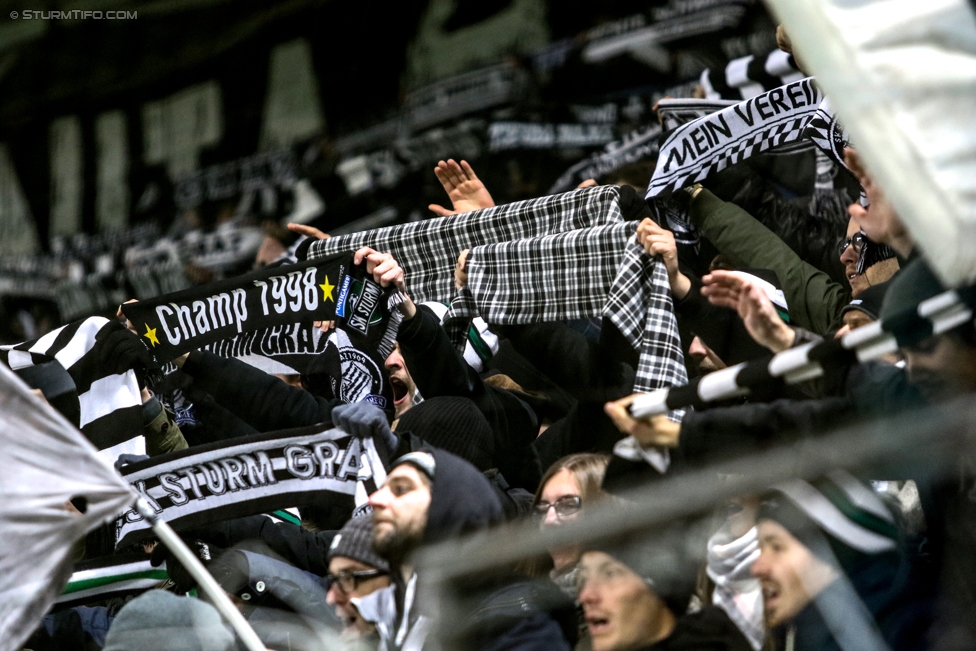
[
  {"x": 710, "y": 144},
  {"x": 428, "y": 250},
  {"x": 110, "y": 404},
  {"x": 599, "y": 271},
  {"x": 183, "y": 321},
  {"x": 251, "y": 475}
]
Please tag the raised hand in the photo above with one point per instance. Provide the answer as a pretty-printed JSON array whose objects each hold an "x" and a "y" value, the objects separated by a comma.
[
  {"x": 735, "y": 290},
  {"x": 879, "y": 222},
  {"x": 657, "y": 430},
  {"x": 383, "y": 266},
  {"x": 308, "y": 231},
  {"x": 660, "y": 241},
  {"x": 463, "y": 187}
]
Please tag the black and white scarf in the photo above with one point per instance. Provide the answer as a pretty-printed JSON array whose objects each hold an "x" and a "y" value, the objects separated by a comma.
[
  {"x": 637, "y": 145},
  {"x": 110, "y": 403},
  {"x": 676, "y": 112},
  {"x": 598, "y": 271},
  {"x": 750, "y": 75},
  {"x": 178, "y": 323},
  {"x": 428, "y": 250},
  {"x": 251, "y": 475},
  {"x": 700, "y": 148}
]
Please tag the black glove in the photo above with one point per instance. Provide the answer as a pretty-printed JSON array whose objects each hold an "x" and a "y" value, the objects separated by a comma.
[
  {"x": 126, "y": 459},
  {"x": 178, "y": 574},
  {"x": 120, "y": 350}
]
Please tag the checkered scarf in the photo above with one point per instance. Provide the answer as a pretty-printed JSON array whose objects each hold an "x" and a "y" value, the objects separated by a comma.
[
  {"x": 597, "y": 271},
  {"x": 428, "y": 250}
]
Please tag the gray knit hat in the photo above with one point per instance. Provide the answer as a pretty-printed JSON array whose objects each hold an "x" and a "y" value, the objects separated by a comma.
[
  {"x": 355, "y": 541},
  {"x": 851, "y": 517},
  {"x": 161, "y": 621}
]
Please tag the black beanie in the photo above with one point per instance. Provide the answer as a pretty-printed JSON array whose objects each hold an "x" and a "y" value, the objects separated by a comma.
[
  {"x": 455, "y": 425},
  {"x": 462, "y": 499},
  {"x": 869, "y": 301},
  {"x": 662, "y": 559},
  {"x": 912, "y": 285}
]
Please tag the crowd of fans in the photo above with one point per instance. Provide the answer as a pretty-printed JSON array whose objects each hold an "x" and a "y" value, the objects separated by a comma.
[{"x": 844, "y": 561}]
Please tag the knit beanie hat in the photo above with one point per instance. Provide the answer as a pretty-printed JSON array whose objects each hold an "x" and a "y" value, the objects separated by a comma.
[
  {"x": 912, "y": 285},
  {"x": 452, "y": 424},
  {"x": 869, "y": 301},
  {"x": 662, "y": 560},
  {"x": 355, "y": 541},
  {"x": 838, "y": 510},
  {"x": 161, "y": 621}
]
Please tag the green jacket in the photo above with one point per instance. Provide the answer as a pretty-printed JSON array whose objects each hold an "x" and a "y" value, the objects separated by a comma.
[{"x": 815, "y": 301}]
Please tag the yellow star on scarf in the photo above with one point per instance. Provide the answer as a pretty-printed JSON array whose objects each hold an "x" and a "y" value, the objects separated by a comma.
[
  {"x": 151, "y": 336},
  {"x": 327, "y": 290}
]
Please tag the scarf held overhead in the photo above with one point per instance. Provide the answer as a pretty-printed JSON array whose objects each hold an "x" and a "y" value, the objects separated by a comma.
[
  {"x": 710, "y": 144},
  {"x": 178, "y": 323},
  {"x": 592, "y": 272},
  {"x": 428, "y": 250},
  {"x": 251, "y": 475}
]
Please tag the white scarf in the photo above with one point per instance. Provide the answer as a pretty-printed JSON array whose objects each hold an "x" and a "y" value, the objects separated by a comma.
[{"x": 737, "y": 592}]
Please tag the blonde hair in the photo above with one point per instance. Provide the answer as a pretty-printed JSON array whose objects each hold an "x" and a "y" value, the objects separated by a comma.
[{"x": 586, "y": 468}]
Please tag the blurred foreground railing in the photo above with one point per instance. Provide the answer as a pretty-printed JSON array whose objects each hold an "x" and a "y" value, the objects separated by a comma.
[{"x": 924, "y": 445}]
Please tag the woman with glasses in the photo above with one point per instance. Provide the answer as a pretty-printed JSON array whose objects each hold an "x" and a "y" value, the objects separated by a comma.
[{"x": 568, "y": 485}]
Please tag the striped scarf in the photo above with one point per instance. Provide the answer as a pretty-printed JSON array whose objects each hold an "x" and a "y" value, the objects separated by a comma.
[{"x": 110, "y": 404}]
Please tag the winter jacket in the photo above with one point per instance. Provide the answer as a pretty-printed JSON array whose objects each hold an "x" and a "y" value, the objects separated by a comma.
[
  {"x": 438, "y": 369},
  {"x": 710, "y": 629},
  {"x": 870, "y": 390},
  {"x": 261, "y": 400},
  {"x": 815, "y": 300}
]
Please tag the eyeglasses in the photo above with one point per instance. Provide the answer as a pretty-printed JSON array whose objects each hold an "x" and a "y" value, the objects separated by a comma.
[
  {"x": 349, "y": 581},
  {"x": 565, "y": 506},
  {"x": 856, "y": 240}
]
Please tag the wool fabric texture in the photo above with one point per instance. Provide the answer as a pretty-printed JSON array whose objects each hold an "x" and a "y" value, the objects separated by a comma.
[
  {"x": 161, "y": 621},
  {"x": 355, "y": 541},
  {"x": 452, "y": 424}
]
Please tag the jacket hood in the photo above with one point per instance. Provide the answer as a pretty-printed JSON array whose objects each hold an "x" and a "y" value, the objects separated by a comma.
[{"x": 462, "y": 499}]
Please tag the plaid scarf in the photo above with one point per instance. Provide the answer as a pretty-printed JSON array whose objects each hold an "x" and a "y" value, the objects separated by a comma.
[
  {"x": 598, "y": 271},
  {"x": 428, "y": 250}
]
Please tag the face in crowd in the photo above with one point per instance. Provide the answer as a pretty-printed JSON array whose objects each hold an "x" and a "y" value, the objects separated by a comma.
[
  {"x": 401, "y": 382},
  {"x": 352, "y": 578},
  {"x": 400, "y": 511},
  {"x": 942, "y": 366},
  {"x": 850, "y": 255},
  {"x": 620, "y": 609},
  {"x": 560, "y": 502},
  {"x": 704, "y": 358},
  {"x": 790, "y": 575}
]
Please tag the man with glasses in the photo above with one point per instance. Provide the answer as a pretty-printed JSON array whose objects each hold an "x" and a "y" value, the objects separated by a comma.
[
  {"x": 355, "y": 570},
  {"x": 814, "y": 298}
]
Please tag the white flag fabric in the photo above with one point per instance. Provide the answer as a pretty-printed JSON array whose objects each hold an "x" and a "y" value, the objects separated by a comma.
[
  {"x": 901, "y": 75},
  {"x": 46, "y": 462}
]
